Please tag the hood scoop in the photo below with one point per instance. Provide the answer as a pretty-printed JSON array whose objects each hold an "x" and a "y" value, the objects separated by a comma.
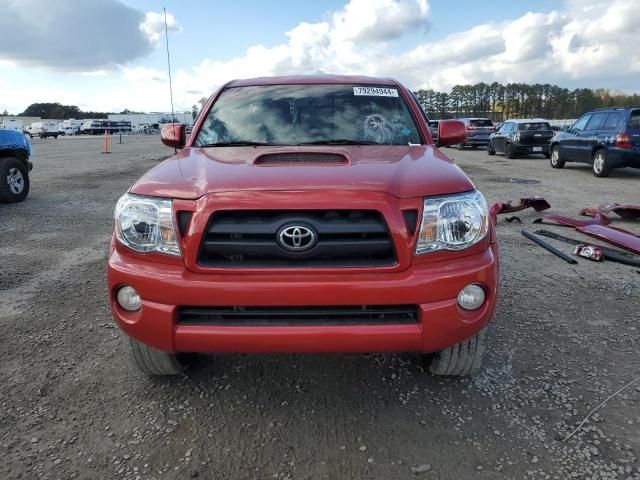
[{"x": 302, "y": 158}]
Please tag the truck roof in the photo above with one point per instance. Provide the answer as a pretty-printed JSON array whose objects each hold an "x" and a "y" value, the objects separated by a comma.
[{"x": 312, "y": 79}]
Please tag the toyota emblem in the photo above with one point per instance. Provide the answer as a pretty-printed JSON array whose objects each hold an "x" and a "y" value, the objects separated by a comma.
[{"x": 297, "y": 238}]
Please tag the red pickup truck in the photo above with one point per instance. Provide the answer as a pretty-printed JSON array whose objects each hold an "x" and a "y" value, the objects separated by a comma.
[{"x": 305, "y": 214}]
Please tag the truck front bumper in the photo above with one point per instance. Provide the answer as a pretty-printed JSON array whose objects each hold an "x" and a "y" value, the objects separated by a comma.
[{"x": 433, "y": 287}]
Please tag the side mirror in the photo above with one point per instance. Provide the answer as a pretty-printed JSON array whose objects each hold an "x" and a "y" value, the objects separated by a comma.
[
  {"x": 173, "y": 135},
  {"x": 451, "y": 132}
]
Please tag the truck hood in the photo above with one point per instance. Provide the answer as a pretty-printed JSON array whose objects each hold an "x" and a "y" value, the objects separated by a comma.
[{"x": 402, "y": 171}]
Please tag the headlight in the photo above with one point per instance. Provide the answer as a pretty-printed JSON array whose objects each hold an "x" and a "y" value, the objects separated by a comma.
[
  {"x": 516, "y": 137},
  {"x": 145, "y": 224},
  {"x": 454, "y": 222}
]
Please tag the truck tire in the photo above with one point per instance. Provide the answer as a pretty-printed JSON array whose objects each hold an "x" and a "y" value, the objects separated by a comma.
[
  {"x": 14, "y": 180},
  {"x": 600, "y": 167},
  {"x": 464, "y": 358},
  {"x": 155, "y": 362}
]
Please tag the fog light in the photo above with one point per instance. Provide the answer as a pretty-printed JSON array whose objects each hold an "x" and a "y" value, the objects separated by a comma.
[
  {"x": 471, "y": 297},
  {"x": 129, "y": 299}
]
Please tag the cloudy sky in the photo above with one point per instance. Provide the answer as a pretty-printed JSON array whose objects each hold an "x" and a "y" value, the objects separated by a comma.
[{"x": 109, "y": 55}]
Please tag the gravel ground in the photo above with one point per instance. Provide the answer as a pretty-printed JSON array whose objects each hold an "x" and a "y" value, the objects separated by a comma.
[{"x": 73, "y": 406}]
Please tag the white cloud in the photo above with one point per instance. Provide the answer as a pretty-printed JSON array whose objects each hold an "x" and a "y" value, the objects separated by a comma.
[
  {"x": 375, "y": 20},
  {"x": 143, "y": 74},
  {"x": 77, "y": 36},
  {"x": 582, "y": 44},
  {"x": 153, "y": 25}
]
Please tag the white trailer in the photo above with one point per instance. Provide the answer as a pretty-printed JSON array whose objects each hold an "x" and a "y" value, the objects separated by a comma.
[{"x": 12, "y": 124}]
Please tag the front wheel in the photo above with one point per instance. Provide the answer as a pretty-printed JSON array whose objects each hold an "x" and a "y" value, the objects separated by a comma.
[
  {"x": 460, "y": 146},
  {"x": 14, "y": 180},
  {"x": 464, "y": 358},
  {"x": 555, "y": 160},
  {"x": 601, "y": 168},
  {"x": 155, "y": 362},
  {"x": 490, "y": 149},
  {"x": 508, "y": 151}
]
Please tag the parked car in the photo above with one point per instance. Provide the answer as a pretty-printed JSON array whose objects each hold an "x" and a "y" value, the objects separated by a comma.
[
  {"x": 15, "y": 165},
  {"x": 521, "y": 137},
  {"x": 44, "y": 129},
  {"x": 70, "y": 131},
  {"x": 433, "y": 128},
  {"x": 478, "y": 131},
  {"x": 280, "y": 227},
  {"x": 606, "y": 139}
]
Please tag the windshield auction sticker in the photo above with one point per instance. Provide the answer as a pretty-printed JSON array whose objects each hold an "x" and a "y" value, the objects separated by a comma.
[{"x": 375, "y": 91}]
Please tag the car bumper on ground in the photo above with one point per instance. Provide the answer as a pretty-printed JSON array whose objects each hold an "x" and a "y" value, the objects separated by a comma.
[{"x": 432, "y": 287}]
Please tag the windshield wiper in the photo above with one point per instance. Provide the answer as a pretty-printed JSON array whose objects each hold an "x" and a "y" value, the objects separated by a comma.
[
  {"x": 239, "y": 143},
  {"x": 340, "y": 141}
]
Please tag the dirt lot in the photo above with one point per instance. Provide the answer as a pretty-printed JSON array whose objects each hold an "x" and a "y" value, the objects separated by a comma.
[{"x": 72, "y": 405}]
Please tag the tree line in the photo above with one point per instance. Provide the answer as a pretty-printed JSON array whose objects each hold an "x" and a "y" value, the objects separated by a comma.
[
  {"x": 59, "y": 111},
  {"x": 519, "y": 100},
  {"x": 493, "y": 100}
]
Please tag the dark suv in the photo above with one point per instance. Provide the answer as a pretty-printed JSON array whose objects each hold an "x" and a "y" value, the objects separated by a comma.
[
  {"x": 607, "y": 138},
  {"x": 522, "y": 136}
]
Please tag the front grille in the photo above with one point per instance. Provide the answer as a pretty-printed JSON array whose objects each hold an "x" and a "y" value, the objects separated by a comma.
[
  {"x": 252, "y": 239},
  {"x": 299, "y": 316}
]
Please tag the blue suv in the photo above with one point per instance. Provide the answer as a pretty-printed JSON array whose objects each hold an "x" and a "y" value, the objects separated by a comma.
[{"x": 607, "y": 138}]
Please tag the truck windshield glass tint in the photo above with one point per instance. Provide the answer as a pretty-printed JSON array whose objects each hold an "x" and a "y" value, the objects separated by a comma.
[{"x": 296, "y": 114}]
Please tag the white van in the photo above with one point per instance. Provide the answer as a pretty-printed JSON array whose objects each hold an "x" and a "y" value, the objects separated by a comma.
[{"x": 44, "y": 129}]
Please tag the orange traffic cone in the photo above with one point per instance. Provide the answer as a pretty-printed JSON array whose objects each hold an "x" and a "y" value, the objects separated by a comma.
[{"x": 106, "y": 141}]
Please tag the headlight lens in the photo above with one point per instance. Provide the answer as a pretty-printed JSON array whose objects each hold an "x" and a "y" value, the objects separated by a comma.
[
  {"x": 145, "y": 224},
  {"x": 516, "y": 137},
  {"x": 454, "y": 222}
]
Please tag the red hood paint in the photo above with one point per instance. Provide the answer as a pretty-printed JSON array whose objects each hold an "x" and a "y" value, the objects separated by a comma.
[{"x": 402, "y": 171}]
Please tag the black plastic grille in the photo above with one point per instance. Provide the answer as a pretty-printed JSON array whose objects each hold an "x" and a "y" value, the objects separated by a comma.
[
  {"x": 299, "y": 316},
  {"x": 249, "y": 239},
  {"x": 301, "y": 158}
]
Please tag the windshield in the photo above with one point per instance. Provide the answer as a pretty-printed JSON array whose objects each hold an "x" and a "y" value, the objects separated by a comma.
[
  {"x": 534, "y": 126},
  {"x": 309, "y": 114}
]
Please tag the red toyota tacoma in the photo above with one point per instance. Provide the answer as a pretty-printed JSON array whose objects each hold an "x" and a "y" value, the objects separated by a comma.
[{"x": 305, "y": 214}]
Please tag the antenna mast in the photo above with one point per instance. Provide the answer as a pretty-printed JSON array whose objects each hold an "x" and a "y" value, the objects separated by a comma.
[{"x": 166, "y": 35}]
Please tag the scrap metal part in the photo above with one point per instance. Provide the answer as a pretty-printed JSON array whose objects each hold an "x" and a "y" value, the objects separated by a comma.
[
  {"x": 616, "y": 236},
  {"x": 610, "y": 254},
  {"x": 537, "y": 203},
  {"x": 628, "y": 212},
  {"x": 592, "y": 252},
  {"x": 597, "y": 219},
  {"x": 548, "y": 247}
]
